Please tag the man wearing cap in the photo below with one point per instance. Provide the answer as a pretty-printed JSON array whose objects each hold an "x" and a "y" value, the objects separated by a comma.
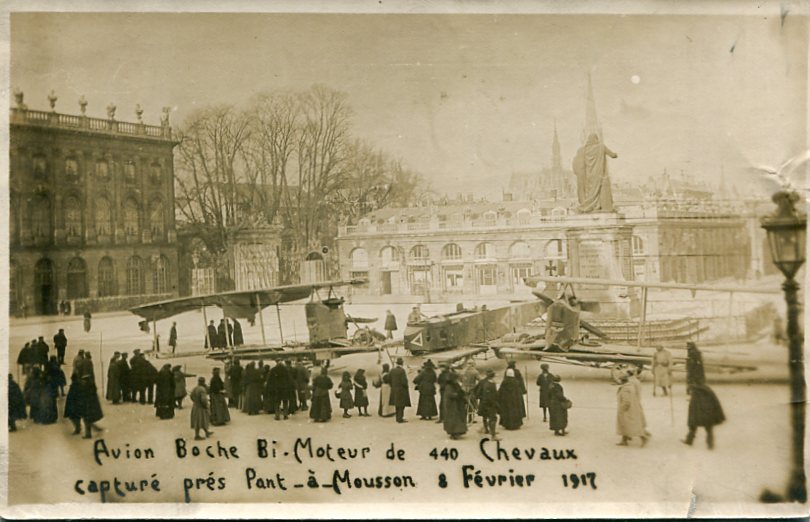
[
  {"x": 415, "y": 316},
  {"x": 488, "y": 405},
  {"x": 113, "y": 380},
  {"x": 400, "y": 398},
  {"x": 60, "y": 343},
  {"x": 544, "y": 381}
]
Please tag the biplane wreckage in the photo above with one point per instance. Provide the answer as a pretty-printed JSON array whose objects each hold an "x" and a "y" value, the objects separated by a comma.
[
  {"x": 564, "y": 337},
  {"x": 327, "y": 322},
  {"x": 551, "y": 329}
]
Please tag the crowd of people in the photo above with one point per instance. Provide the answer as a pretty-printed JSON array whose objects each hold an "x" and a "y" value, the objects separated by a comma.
[
  {"x": 283, "y": 388},
  {"x": 227, "y": 334}
]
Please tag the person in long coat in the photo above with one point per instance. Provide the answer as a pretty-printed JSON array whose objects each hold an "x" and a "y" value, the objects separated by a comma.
[
  {"x": 629, "y": 418},
  {"x": 219, "y": 408},
  {"x": 390, "y": 324},
  {"x": 280, "y": 385},
  {"x": 544, "y": 382},
  {"x": 400, "y": 397},
  {"x": 89, "y": 406},
  {"x": 56, "y": 377},
  {"x": 441, "y": 380},
  {"x": 222, "y": 336},
  {"x": 173, "y": 336},
  {"x": 695, "y": 373},
  {"x": 302, "y": 384},
  {"x": 633, "y": 377},
  {"x": 425, "y": 383},
  {"x": 455, "y": 408},
  {"x": 16, "y": 404},
  {"x": 26, "y": 358},
  {"x": 511, "y": 365},
  {"x": 235, "y": 399},
  {"x": 268, "y": 388},
  {"x": 469, "y": 381},
  {"x": 344, "y": 392},
  {"x": 488, "y": 404},
  {"x": 511, "y": 401},
  {"x": 60, "y": 343},
  {"x": 33, "y": 391},
  {"x": 213, "y": 336},
  {"x": 662, "y": 370},
  {"x": 383, "y": 382},
  {"x": 114, "y": 380},
  {"x": 292, "y": 387},
  {"x": 321, "y": 408},
  {"x": 200, "y": 418},
  {"x": 361, "y": 392},
  {"x": 252, "y": 386},
  {"x": 238, "y": 338},
  {"x": 164, "y": 393},
  {"x": 125, "y": 378},
  {"x": 180, "y": 385},
  {"x": 558, "y": 406},
  {"x": 704, "y": 410}
]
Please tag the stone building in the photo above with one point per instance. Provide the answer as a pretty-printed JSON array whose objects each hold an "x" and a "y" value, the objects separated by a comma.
[
  {"x": 440, "y": 252},
  {"x": 92, "y": 210}
]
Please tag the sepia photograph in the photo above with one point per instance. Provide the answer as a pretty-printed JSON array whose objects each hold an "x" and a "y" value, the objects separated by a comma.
[{"x": 424, "y": 260}]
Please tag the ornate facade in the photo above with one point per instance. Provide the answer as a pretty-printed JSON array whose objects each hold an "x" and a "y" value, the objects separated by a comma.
[{"x": 92, "y": 211}]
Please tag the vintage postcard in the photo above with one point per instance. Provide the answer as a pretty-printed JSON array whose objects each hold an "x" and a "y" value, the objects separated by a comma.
[{"x": 386, "y": 260}]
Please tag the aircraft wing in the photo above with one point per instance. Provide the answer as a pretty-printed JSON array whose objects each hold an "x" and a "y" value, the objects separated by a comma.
[
  {"x": 452, "y": 356},
  {"x": 282, "y": 354},
  {"x": 237, "y": 303},
  {"x": 610, "y": 358}
]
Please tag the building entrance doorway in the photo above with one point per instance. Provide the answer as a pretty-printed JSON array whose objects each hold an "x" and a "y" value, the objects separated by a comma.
[{"x": 44, "y": 288}]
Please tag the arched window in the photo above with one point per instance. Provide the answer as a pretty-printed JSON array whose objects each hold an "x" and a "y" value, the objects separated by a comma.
[
  {"x": 73, "y": 217},
  {"x": 106, "y": 277},
  {"x": 359, "y": 258},
  {"x": 389, "y": 256},
  {"x": 451, "y": 251},
  {"x": 40, "y": 165},
  {"x": 41, "y": 216},
  {"x": 519, "y": 250},
  {"x": 554, "y": 249},
  {"x": 102, "y": 169},
  {"x": 524, "y": 216},
  {"x": 71, "y": 167},
  {"x": 160, "y": 277},
  {"x": 135, "y": 279},
  {"x": 76, "y": 279},
  {"x": 131, "y": 222},
  {"x": 484, "y": 251},
  {"x": 103, "y": 217},
  {"x": 155, "y": 172},
  {"x": 156, "y": 219},
  {"x": 419, "y": 253},
  {"x": 638, "y": 246},
  {"x": 489, "y": 217},
  {"x": 129, "y": 171}
]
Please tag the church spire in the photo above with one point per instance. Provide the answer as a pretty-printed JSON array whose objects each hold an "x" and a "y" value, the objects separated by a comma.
[
  {"x": 591, "y": 122},
  {"x": 556, "y": 157}
]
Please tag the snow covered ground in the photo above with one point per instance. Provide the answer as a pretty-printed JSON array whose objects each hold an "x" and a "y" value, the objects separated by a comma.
[{"x": 45, "y": 462}]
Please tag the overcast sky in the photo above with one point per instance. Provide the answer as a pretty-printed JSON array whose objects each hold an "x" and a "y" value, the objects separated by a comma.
[{"x": 466, "y": 100}]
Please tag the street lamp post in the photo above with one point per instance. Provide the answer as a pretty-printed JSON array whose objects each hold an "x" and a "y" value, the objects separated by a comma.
[{"x": 787, "y": 230}]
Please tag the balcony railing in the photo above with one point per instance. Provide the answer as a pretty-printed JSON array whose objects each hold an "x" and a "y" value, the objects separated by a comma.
[{"x": 70, "y": 121}]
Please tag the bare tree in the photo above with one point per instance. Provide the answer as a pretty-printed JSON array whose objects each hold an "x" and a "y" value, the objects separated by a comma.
[{"x": 211, "y": 196}]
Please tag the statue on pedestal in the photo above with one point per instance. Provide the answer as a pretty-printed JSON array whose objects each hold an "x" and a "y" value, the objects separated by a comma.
[{"x": 593, "y": 183}]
